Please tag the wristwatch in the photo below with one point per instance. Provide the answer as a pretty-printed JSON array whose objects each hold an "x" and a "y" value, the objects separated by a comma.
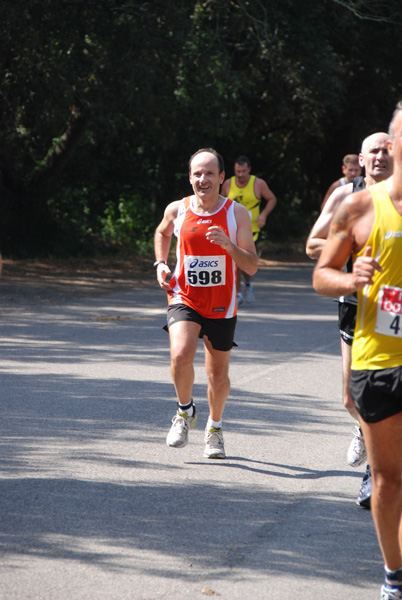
[{"x": 159, "y": 262}]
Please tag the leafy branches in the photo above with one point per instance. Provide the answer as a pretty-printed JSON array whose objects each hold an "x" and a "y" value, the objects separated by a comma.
[
  {"x": 381, "y": 11},
  {"x": 103, "y": 101}
]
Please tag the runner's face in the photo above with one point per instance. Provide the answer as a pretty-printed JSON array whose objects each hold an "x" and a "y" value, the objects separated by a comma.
[
  {"x": 351, "y": 171},
  {"x": 204, "y": 175},
  {"x": 376, "y": 159},
  {"x": 242, "y": 173}
]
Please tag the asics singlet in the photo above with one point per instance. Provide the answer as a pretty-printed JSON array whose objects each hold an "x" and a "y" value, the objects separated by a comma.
[
  {"x": 205, "y": 275},
  {"x": 246, "y": 196},
  {"x": 378, "y": 335}
]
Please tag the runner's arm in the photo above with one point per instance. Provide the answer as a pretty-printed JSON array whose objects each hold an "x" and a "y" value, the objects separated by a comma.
[
  {"x": 329, "y": 192},
  {"x": 162, "y": 240},
  {"x": 350, "y": 230},
  {"x": 263, "y": 191},
  {"x": 320, "y": 230}
]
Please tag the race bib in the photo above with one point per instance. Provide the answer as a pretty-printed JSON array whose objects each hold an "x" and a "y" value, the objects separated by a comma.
[
  {"x": 389, "y": 311},
  {"x": 205, "y": 271}
]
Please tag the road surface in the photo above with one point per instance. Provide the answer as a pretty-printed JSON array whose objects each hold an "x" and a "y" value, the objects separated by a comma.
[{"x": 95, "y": 506}]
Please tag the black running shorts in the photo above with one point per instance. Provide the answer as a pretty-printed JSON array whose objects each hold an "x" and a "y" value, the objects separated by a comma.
[
  {"x": 347, "y": 321},
  {"x": 220, "y": 332},
  {"x": 377, "y": 395}
]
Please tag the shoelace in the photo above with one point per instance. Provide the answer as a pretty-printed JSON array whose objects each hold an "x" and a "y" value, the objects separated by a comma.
[
  {"x": 357, "y": 440},
  {"x": 180, "y": 421},
  {"x": 215, "y": 438}
]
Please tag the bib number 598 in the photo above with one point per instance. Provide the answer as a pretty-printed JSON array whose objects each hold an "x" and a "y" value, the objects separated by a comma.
[
  {"x": 205, "y": 271},
  {"x": 204, "y": 277}
]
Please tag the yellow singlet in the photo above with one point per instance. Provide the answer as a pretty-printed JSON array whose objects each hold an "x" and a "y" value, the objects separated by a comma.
[
  {"x": 378, "y": 336},
  {"x": 246, "y": 196}
]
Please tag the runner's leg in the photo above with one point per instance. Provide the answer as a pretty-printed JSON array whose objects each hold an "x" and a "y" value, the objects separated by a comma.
[
  {"x": 384, "y": 447},
  {"x": 217, "y": 370},
  {"x": 183, "y": 345},
  {"x": 346, "y": 351}
]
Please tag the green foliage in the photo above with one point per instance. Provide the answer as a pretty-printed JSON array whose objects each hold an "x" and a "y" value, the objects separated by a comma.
[
  {"x": 129, "y": 224},
  {"x": 103, "y": 101}
]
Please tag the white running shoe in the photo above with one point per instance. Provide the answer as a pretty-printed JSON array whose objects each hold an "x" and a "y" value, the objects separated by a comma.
[
  {"x": 390, "y": 593},
  {"x": 239, "y": 299},
  {"x": 181, "y": 425},
  {"x": 357, "y": 453},
  {"x": 249, "y": 293},
  {"x": 214, "y": 447}
]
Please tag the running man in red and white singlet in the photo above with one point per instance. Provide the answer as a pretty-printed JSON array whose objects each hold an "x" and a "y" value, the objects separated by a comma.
[
  {"x": 204, "y": 277},
  {"x": 214, "y": 238}
]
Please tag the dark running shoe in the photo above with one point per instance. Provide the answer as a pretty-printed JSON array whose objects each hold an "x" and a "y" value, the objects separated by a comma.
[{"x": 364, "y": 496}]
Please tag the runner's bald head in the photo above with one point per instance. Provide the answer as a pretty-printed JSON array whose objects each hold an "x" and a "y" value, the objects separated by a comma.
[
  {"x": 218, "y": 157},
  {"x": 373, "y": 140}
]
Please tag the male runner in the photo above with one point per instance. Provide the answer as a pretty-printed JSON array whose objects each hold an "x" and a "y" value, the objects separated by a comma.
[
  {"x": 351, "y": 168},
  {"x": 214, "y": 237},
  {"x": 369, "y": 225},
  {"x": 248, "y": 190},
  {"x": 378, "y": 165}
]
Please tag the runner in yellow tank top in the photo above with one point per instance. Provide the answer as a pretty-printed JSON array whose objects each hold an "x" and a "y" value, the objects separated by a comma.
[
  {"x": 248, "y": 190},
  {"x": 246, "y": 196},
  {"x": 369, "y": 224},
  {"x": 378, "y": 339}
]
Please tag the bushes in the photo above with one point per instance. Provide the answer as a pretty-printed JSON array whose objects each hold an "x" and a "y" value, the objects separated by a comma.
[{"x": 128, "y": 224}]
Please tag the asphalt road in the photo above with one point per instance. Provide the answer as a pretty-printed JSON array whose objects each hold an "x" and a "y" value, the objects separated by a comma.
[{"x": 94, "y": 505}]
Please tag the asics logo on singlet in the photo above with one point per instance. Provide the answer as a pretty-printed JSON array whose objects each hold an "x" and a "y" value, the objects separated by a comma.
[
  {"x": 203, "y": 263},
  {"x": 204, "y": 221},
  {"x": 390, "y": 234}
]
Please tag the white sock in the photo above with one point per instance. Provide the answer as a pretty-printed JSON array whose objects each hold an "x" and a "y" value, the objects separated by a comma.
[
  {"x": 188, "y": 408},
  {"x": 214, "y": 424}
]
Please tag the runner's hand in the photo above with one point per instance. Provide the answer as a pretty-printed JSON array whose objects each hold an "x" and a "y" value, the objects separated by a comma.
[
  {"x": 162, "y": 271},
  {"x": 216, "y": 235},
  {"x": 364, "y": 269}
]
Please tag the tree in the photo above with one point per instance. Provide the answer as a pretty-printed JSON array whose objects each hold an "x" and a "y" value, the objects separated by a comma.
[{"x": 102, "y": 103}]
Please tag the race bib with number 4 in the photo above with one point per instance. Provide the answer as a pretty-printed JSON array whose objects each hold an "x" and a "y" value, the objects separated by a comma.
[
  {"x": 389, "y": 311},
  {"x": 205, "y": 271}
]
